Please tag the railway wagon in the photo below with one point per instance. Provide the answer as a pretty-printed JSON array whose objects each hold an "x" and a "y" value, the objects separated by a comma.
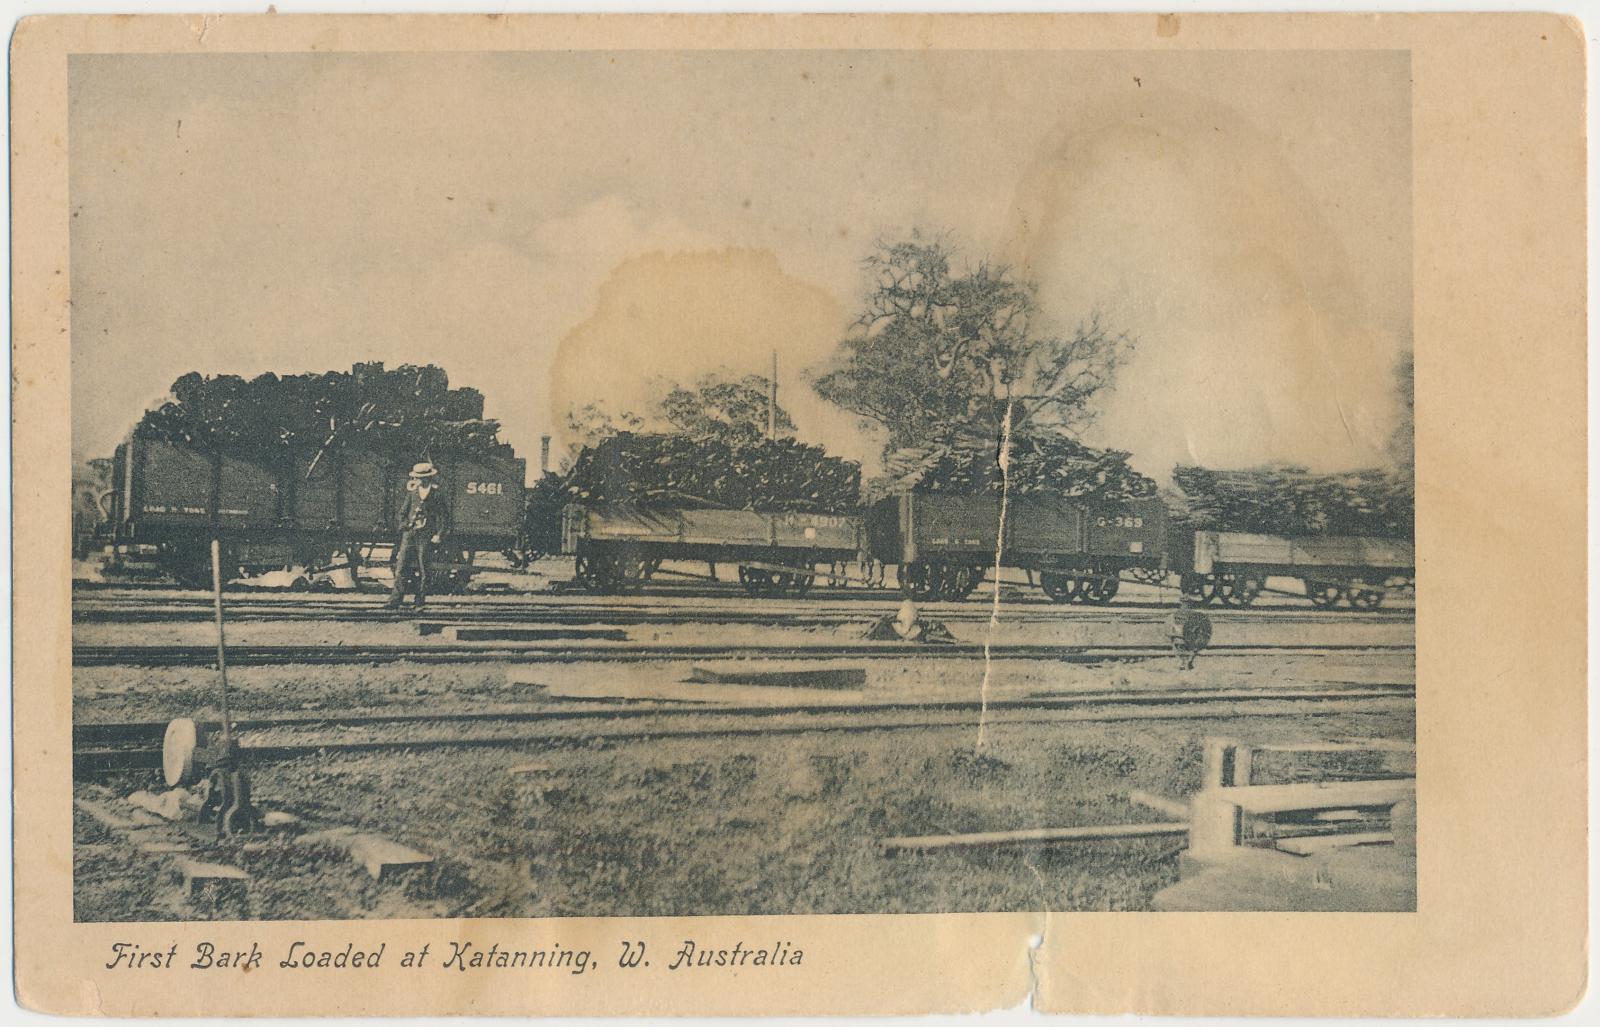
[
  {"x": 944, "y": 543},
  {"x": 301, "y": 509},
  {"x": 1232, "y": 567},
  {"x": 619, "y": 547}
]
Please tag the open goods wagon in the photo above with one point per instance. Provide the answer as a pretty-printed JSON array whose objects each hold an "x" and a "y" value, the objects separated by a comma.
[
  {"x": 301, "y": 509},
  {"x": 944, "y": 543},
  {"x": 619, "y": 547},
  {"x": 1232, "y": 567}
]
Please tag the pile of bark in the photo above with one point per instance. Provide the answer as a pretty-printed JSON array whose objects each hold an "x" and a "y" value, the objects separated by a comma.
[
  {"x": 673, "y": 470},
  {"x": 1293, "y": 501},
  {"x": 1041, "y": 463},
  {"x": 411, "y": 412}
]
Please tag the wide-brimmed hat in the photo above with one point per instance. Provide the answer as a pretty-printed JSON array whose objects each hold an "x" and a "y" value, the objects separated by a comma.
[{"x": 424, "y": 470}]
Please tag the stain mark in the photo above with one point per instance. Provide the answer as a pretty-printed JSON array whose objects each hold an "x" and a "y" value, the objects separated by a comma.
[
  {"x": 1167, "y": 25},
  {"x": 1138, "y": 82}
]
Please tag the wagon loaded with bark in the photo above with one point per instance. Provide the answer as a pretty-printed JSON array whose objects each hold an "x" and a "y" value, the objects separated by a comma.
[
  {"x": 776, "y": 509},
  {"x": 1346, "y": 537},
  {"x": 308, "y": 472}
]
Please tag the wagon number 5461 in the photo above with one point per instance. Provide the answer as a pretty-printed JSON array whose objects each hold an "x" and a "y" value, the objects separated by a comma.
[{"x": 486, "y": 488}]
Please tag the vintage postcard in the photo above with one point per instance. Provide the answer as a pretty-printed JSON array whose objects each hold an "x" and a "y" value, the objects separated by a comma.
[{"x": 850, "y": 514}]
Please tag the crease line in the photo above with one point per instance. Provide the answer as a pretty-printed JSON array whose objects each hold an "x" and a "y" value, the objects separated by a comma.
[{"x": 994, "y": 605}]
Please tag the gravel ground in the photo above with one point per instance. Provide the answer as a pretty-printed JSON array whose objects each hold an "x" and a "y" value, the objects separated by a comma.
[
  {"x": 119, "y": 693},
  {"x": 731, "y": 825},
  {"x": 713, "y": 825}
]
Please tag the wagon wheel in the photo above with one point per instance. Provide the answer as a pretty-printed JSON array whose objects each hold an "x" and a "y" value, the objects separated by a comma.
[
  {"x": 1193, "y": 586},
  {"x": 1061, "y": 588},
  {"x": 650, "y": 568},
  {"x": 1101, "y": 590},
  {"x": 629, "y": 572},
  {"x": 759, "y": 582},
  {"x": 974, "y": 579},
  {"x": 583, "y": 572},
  {"x": 1239, "y": 589},
  {"x": 916, "y": 580},
  {"x": 955, "y": 583},
  {"x": 800, "y": 584},
  {"x": 602, "y": 573},
  {"x": 1363, "y": 598},
  {"x": 1324, "y": 595}
]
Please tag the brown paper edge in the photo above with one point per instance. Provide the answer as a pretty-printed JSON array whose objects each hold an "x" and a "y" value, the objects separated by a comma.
[{"x": 1499, "y": 165}]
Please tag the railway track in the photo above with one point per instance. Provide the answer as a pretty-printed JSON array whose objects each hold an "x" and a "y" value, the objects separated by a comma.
[
  {"x": 130, "y": 746},
  {"x": 456, "y": 653},
  {"x": 676, "y": 615},
  {"x": 99, "y": 601}
]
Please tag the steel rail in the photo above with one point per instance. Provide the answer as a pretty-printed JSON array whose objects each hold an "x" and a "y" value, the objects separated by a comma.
[{"x": 539, "y": 652}]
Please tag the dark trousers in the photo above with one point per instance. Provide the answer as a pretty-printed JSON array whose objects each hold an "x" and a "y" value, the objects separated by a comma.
[{"x": 411, "y": 559}]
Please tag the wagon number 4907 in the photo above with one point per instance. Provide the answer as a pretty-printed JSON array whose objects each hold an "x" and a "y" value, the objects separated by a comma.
[
  {"x": 486, "y": 488},
  {"x": 1122, "y": 522}
]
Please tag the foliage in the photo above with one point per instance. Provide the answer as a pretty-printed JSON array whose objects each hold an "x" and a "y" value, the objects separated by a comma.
[
  {"x": 935, "y": 350},
  {"x": 1402, "y": 441},
  {"x": 732, "y": 410}
]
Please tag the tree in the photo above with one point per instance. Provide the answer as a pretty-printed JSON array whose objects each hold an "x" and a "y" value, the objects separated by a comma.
[
  {"x": 1402, "y": 441},
  {"x": 591, "y": 423},
  {"x": 732, "y": 410},
  {"x": 935, "y": 350}
]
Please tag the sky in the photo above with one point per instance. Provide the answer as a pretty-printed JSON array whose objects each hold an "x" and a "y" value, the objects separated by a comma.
[{"x": 567, "y": 227}]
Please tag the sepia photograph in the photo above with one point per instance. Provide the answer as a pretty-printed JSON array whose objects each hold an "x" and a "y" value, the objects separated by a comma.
[{"x": 650, "y": 483}]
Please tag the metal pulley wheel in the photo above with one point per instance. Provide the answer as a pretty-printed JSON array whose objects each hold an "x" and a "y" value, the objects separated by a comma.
[{"x": 178, "y": 747}]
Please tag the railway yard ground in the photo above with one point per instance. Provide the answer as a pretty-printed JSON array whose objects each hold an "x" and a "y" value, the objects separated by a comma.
[{"x": 689, "y": 750}]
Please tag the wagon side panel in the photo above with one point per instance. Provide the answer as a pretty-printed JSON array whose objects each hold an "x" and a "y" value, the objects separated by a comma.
[
  {"x": 315, "y": 486},
  {"x": 247, "y": 494},
  {"x": 171, "y": 486},
  {"x": 363, "y": 496},
  {"x": 485, "y": 499},
  {"x": 954, "y": 528},
  {"x": 1043, "y": 528}
]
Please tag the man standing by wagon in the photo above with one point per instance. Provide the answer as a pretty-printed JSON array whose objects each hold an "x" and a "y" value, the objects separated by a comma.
[{"x": 423, "y": 522}]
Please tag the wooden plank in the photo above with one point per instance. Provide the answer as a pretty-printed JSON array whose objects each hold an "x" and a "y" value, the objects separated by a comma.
[
  {"x": 501, "y": 633},
  {"x": 822, "y": 677},
  {"x": 681, "y": 692},
  {"x": 381, "y": 857},
  {"x": 1166, "y": 807},
  {"x": 167, "y": 806},
  {"x": 116, "y": 820},
  {"x": 1323, "y": 842},
  {"x": 197, "y": 875},
  {"x": 1032, "y": 836},
  {"x": 1352, "y": 745},
  {"x": 1260, "y": 799}
]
